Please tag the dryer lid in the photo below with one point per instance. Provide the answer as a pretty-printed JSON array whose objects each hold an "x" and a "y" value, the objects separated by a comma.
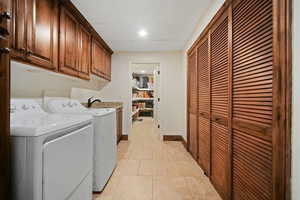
[
  {"x": 71, "y": 106},
  {"x": 29, "y": 119},
  {"x": 64, "y": 105}
]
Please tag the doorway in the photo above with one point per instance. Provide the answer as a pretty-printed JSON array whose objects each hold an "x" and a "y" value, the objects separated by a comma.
[{"x": 145, "y": 94}]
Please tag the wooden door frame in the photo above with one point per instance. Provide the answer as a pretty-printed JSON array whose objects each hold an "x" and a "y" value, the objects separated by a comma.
[
  {"x": 284, "y": 19},
  {"x": 288, "y": 18},
  {"x": 5, "y": 175}
]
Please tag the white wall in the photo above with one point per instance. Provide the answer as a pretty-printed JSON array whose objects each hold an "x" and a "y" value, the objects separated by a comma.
[
  {"x": 296, "y": 100},
  {"x": 31, "y": 82},
  {"x": 172, "y": 87}
]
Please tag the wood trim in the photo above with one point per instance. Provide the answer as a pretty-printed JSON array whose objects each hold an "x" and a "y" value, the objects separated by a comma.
[
  {"x": 187, "y": 103},
  {"x": 210, "y": 115},
  {"x": 178, "y": 138},
  {"x": 124, "y": 137},
  {"x": 279, "y": 100},
  {"x": 71, "y": 7},
  {"x": 5, "y": 185},
  {"x": 289, "y": 84},
  {"x": 172, "y": 138},
  {"x": 230, "y": 98}
]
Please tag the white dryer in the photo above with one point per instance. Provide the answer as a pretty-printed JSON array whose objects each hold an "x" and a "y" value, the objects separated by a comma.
[
  {"x": 52, "y": 154},
  {"x": 105, "y": 136}
]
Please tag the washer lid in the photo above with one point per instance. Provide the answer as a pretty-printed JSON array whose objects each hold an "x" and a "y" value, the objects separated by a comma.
[
  {"x": 43, "y": 123},
  {"x": 71, "y": 106},
  {"x": 64, "y": 105}
]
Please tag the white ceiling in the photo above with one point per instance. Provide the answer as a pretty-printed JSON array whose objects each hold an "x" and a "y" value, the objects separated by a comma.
[{"x": 169, "y": 23}]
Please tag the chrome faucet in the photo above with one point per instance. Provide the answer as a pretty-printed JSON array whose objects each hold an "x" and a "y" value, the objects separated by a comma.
[{"x": 91, "y": 101}]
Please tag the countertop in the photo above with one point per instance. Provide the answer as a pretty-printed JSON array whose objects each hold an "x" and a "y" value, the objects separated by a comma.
[{"x": 115, "y": 105}]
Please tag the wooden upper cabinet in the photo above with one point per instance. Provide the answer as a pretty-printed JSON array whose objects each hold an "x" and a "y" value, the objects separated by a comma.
[
  {"x": 18, "y": 41},
  {"x": 68, "y": 46},
  {"x": 35, "y": 31},
  {"x": 84, "y": 58},
  {"x": 52, "y": 34},
  {"x": 98, "y": 59},
  {"x": 42, "y": 33}
]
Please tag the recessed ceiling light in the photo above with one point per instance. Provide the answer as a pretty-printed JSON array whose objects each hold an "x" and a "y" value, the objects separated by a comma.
[
  {"x": 143, "y": 33},
  {"x": 143, "y": 71}
]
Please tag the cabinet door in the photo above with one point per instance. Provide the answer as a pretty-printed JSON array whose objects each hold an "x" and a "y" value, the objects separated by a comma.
[
  {"x": 68, "y": 46},
  {"x": 192, "y": 105},
  {"x": 108, "y": 65},
  {"x": 220, "y": 106},
  {"x": 19, "y": 27},
  {"x": 84, "y": 47},
  {"x": 42, "y": 33},
  {"x": 98, "y": 59}
]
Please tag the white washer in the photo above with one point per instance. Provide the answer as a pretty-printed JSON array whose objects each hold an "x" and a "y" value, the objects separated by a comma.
[
  {"x": 52, "y": 154},
  {"x": 105, "y": 136}
]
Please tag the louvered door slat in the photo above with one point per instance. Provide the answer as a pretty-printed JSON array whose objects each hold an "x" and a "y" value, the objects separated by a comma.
[
  {"x": 219, "y": 107},
  {"x": 252, "y": 99},
  {"x": 204, "y": 106},
  {"x": 261, "y": 78},
  {"x": 252, "y": 170},
  {"x": 204, "y": 144},
  {"x": 193, "y": 143},
  {"x": 193, "y": 104},
  {"x": 219, "y": 157},
  {"x": 203, "y": 78},
  {"x": 219, "y": 70},
  {"x": 193, "y": 83}
]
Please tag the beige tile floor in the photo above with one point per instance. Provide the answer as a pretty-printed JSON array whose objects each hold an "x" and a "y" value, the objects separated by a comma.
[{"x": 150, "y": 169}]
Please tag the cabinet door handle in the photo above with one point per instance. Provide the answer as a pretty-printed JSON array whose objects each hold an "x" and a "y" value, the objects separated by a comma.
[
  {"x": 4, "y": 50},
  {"x": 5, "y": 15}
]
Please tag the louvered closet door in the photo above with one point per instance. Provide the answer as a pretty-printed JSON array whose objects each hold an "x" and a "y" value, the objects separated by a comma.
[
  {"x": 192, "y": 109},
  {"x": 219, "y": 106},
  {"x": 252, "y": 100},
  {"x": 203, "y": 106}
]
